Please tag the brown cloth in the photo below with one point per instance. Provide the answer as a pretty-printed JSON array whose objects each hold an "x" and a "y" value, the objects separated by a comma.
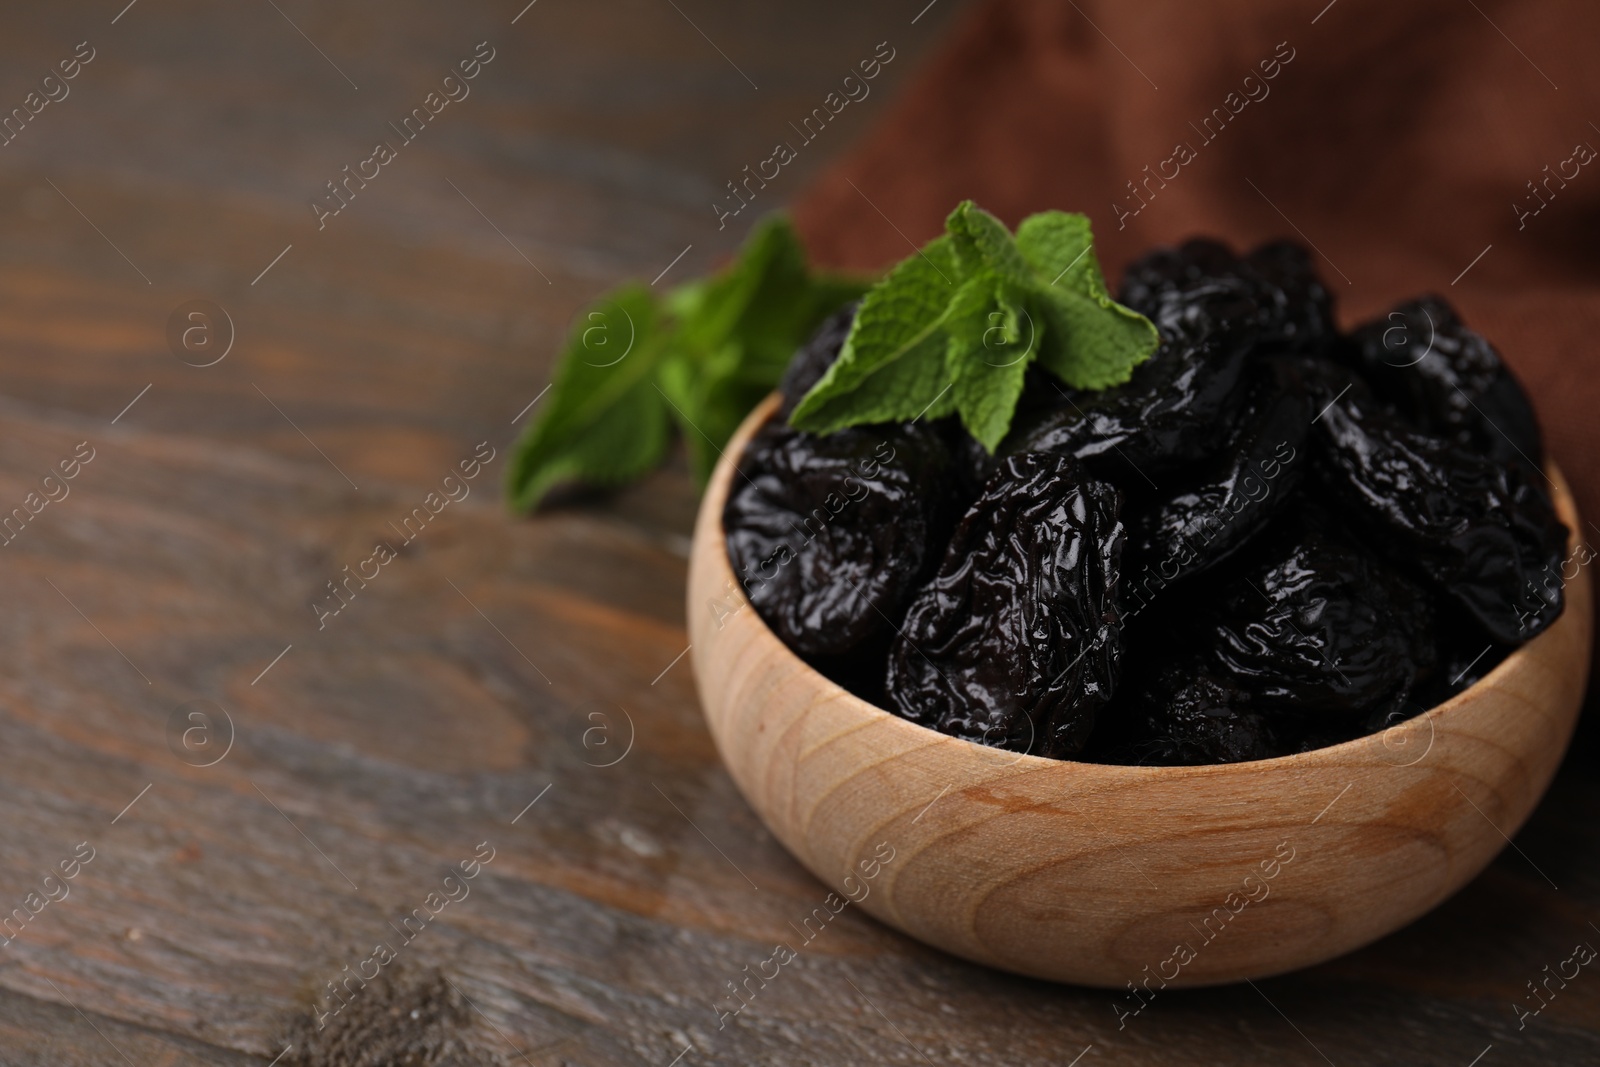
[{"x": 1405, "y": 141}]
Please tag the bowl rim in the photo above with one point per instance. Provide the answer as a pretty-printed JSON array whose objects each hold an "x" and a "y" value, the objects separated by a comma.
[{"x": 1519, "y": 658}]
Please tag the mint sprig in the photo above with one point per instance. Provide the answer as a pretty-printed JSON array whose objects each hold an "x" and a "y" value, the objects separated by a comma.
[
  {"x": 603, "y": 423},
  {"x": 949, "y": 330},
  {"x": 734, "y": 334},
  {"x": 954, "y": 328},
  {"x": 636, "y": 365}
]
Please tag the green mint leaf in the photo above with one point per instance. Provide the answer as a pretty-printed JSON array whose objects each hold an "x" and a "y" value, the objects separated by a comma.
[
  {"x": 990, "y": 347},
  {"x": 1090, "y": 340},
  {"x": 708, "y": 395},
  {"x": 992, "y": 304},
  {"x": 603, "y": 422},
  {"x": 1058, "y": 247},
  {"x": 893, "y": 364},
  {"x": 984, "y": 245},
  {"x": 746, "y": 298},
  {"x": 626, "y": 442},
  {"x": 989, "y": 355},
  {"x": 952, "y": 329},
  {"x": 736, "y": 333},
  {"x": 767, "y": 300}
]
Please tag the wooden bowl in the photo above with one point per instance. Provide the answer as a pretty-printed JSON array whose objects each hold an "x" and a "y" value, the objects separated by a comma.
[{"x": 1100, "y": 875}]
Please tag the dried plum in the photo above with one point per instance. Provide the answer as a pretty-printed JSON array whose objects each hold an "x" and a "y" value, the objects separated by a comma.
[
  {"x": 1447, "y": 380},
  {"x": 1465, "y": 658},
  {"x": 973, "y": 464},
  {"x": 830, "y": 536},
  {"x": 1231, "y": 500},
  {"x": 1316, "y": 629},
  {"x": 1482, "y": 531},
  {"x": 1191, "y": 291},
  {"x": 1184, "y": 715},
  {"x": 1326, "y": 508},
  {"x": 1296, "y": 308},
  {"x": 1167, "y": 415},
  {"x": 1015, "y": 642},
  {"x": 1291, "y": 308},
  {"x": 1304, "y": 645}
]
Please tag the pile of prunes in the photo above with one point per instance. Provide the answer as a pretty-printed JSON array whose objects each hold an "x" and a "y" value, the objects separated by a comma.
[{"x": 1273, "y": 538}]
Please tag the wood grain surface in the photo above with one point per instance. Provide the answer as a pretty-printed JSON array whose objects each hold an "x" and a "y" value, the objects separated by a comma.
[
  {"x": 1112, "y": 876},
  {"x": 496, "y": 662}
]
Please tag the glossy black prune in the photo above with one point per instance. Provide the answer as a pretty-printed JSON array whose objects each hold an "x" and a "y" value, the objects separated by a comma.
[
  {"x": 1447, "y": 380},
  {"x": 1296, "y": 308},
  {"x": 973, "y": 463},
  {"x": 1015, "y": 641},
  {"x": 1192, "y": 290},
  {"x": 1316, "y": 629},
  {"x": 1182, "y": 715},
  {"x": 829, "y": 536},
  {"x": 1170, "y": 412},
  {"x": 1291, "y": 308},
  {"x": 1482, "y": 531},
  {"x": 1325, "y": 535},
  {"x": 812, "y": 359},
  {"x": 1465, "y": 658},
  {"x": 1167, "y": 415},
  {"x": 1231, "y": 499}
]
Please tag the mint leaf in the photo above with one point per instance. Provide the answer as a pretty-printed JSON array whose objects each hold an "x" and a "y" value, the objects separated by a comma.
[
  {"x": 1057, "y": 247},
  {"x": 603, "y": 423},
  {"x": 708, "y": 394},
  {"x": 786, "y": 302},
  {"x": 984, "y": 245},
  {"x": 951, "y": 329},
  {"x": 701, "y": 356},
  {"x": 736, "y": 334},
  {"x": 626, "y": 441},
  {"x": 752, "y": 299},
  {"x": 987, "y": 357},
  {"x": 992, "y": 304},
  {"x": 892, "y": 366},
  {"x": 1093, "y": 342}
]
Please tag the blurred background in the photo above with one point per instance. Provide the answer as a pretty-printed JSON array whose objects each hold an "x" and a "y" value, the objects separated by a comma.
[
  {"x": 266, "y": 789},
  {"x": 188, "y": 151}
]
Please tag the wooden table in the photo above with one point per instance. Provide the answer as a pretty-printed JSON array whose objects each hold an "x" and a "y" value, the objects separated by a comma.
[{"x": 505, "y": 686}]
